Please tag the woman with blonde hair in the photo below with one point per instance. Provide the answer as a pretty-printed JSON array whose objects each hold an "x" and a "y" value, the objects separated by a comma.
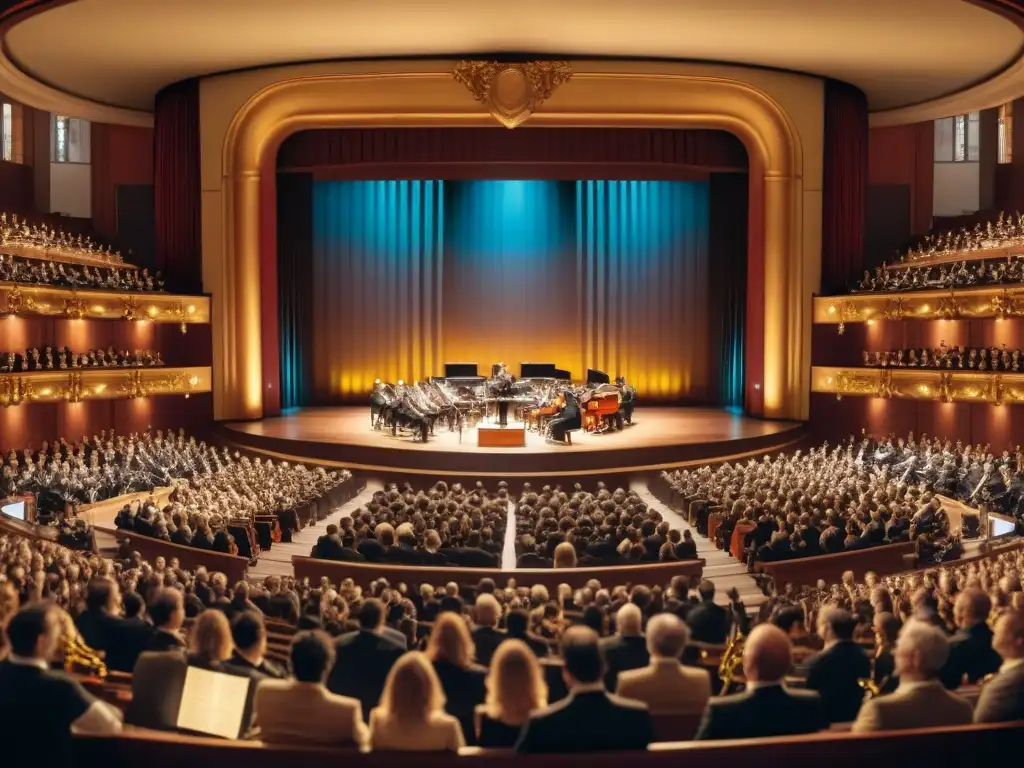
[
  {"x": 515, "y": 689},
  {"x": 210, "y": 642},
  {"x": 451, "y": 651},
  {"x": 565, "y": 556},
  {"x": 411, "y": 714}
]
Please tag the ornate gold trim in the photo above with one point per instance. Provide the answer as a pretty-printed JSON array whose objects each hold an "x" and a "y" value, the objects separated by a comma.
[
  {"x": 512, "y": 92},
  {"x": 101, "y": 384},
  {"x": 429, "y": 98},
  {"x": 994, "y": 301},
  {"x": 939, "y": 385},
  {"x": 51, "y": 301}
]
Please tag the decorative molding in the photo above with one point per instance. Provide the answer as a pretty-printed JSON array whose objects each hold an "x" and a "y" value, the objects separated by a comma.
[
  {"x": 52, "y": 301},
  {"x": 969, "y": 303},
  {"x": 101, "y": 384},
  {"x": 512, "y": 92},
  {"x": 920, "y": 384}
]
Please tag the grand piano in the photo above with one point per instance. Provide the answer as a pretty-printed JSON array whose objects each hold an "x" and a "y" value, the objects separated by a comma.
[{"x": 600, "y": 402}]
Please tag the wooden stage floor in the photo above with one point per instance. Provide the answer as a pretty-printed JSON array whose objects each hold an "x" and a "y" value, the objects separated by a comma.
[{"x": 659, "y": 437}]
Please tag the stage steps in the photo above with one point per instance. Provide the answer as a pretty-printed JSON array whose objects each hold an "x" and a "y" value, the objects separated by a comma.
[
  {"x": 720, "y": 567},
  {"x": 278, "y": 561}
]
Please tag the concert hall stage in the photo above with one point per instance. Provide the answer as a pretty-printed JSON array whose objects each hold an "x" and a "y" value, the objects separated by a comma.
[{"x": 660, "y": 437}]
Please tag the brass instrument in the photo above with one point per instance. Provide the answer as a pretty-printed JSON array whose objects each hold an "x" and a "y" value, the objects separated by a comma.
[
  {"x": 79, "y": 658},
  {"x": 873, "y": 689},
  {"x": 731, "y": 661}
]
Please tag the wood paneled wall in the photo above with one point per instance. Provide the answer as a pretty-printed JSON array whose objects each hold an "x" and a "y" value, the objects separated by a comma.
[{"x": 120, "y": 155}]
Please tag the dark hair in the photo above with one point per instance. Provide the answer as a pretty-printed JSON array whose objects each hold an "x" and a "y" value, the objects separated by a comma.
[
  {"x": 371, "y": 614},
  {"x": 133, "y": 604},
  {"x": 312, "y": 656},
  {"x": 593, "y": 617},
  {"x": 26, "y": 627},
  {"x": 843, "y": 623},
  {"x": 98, "y": 593},
  {"x": 247, "y": 629},
  {"x": 517, "y": 621},
  {"x": 582, "y": 655},
  {"x": 787, "y": 617},
  {"x": 162, "y": 604},
  {"x": 486, "y": 586},
  {"x": 706, "y": 589}
]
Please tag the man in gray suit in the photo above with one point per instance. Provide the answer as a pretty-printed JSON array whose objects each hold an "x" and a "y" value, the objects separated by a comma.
[{"x": 1002, "y": 697}]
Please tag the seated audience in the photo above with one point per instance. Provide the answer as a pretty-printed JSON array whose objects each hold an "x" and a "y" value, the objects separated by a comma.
[
  {"x": 836, "y": 672},
  {"x": 766, "y": 707},
  {"x": 486, "y": 636},
  {"x": 364, "y": 658},
  {"x": 1002, "y": 697},
  {"x": 411, "y": 716},
  {"x": 628, "y": 648},
  {"x": 167, "y": 612},
  {"x": 517, "y": 623},
  {"x": 450, "y": 650},
  {"x": 515, "y": 689},
  {"x": 39, "y": 708},
  {"x": 249, "y": 635},
  {"x": 589, "y": 719},
  {"x": 302, "y": 711},
  {"x": 709, "y": 623},
  {"x": 921, "y": 701},
  {"x": 665, "y": 685},
  {"x": 971, "y": 656}
]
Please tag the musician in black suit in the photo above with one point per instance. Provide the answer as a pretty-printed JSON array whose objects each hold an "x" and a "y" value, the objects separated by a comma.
[
  {"x": 589, "y": 719},
  {"x": 364, "y": 658},
  {"x": 836, "y": 671},
  {"x": 766, "y": 707}
]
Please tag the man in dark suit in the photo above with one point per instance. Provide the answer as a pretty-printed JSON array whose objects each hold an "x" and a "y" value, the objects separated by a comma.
[
  {"x": 404, "y": 552},
  {"x": 766, "y": 707},
  {"x": 471, "y": 556},
  {"x": 836, "y": 671},
  {"x": 486, "y": 636},
  {"x": 130, "y": 637},
  {"x": 182, "y": 536},
  {"x": 99, "y": 624},
  {"x": 687, "y": 548},
  {"x": 628, "y": 648},
  {"x": 517, "y": 624},
  {"x": 167, "y": 612},
  {"x": 250, "y": 637},
  {"x": 1002, "y": 697},
  {"x": 971, "y": 656},
  {"x": 328, "y": 546},
  {"x": 589, "y": 719},
  {"x": 364, "y": 658},
  {"x": 709, "y": 623}
]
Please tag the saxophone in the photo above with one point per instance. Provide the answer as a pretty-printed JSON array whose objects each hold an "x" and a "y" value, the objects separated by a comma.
[
  {"x": 731, "y": 661},
  {"x": 873, "y": 689},
  {"x": 79, "y": 658}
]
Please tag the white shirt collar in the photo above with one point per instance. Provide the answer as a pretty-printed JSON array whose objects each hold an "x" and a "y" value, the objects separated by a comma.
[
  {"x": 26, "y": 661},
  {"x": 588, "y": 687},
  {"x": 1011, "y": 664}
]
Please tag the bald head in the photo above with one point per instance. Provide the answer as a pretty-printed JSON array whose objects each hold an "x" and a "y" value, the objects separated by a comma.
[
  {"x": 629, "y": 621},
  {"x": 766, "y": 654}
]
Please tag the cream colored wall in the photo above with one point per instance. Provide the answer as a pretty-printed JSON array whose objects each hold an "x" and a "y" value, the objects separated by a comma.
[{"x": 801, "y": 97}]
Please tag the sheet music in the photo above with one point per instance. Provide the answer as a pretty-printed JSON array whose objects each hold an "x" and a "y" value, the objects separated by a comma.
[{"x": 213, "y": 703}]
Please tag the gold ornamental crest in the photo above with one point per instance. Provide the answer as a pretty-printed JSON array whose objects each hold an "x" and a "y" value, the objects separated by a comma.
[{"x": 512, "y": 91}]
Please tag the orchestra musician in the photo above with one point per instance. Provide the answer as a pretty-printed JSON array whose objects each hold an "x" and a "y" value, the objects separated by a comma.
[
  {"x": 501, "y": 387},
  {"x": 628, "y": 401}
]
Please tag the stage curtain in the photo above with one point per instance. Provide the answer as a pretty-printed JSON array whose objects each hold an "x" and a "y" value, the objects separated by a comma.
[
  {"x": 595, "y": 150},
  {"x": 642, "y": 284},
  {"x": 728, "y": 284},
  {"x": 295, "y": 285},
  {"x": 177, "y": 185},
  {"x": 377, "y": 263},
  {"x": 844, "y": 184}
]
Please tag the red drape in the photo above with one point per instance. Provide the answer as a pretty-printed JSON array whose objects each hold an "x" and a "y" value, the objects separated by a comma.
[
  {"x": 844, "y": 184},
  {"x": 177, "y": 193}
]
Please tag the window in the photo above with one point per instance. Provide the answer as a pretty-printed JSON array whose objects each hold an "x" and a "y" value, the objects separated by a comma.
[
  {"x": 70, "y": 140},
  {"x": 957, "y": 139},
  {"x": 8, "y": 132},
  {"x": 1006, "y": 133}
]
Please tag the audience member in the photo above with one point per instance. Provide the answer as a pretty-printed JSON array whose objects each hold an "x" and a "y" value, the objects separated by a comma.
[
  {"x": 302, "y": 711},
  {"x": 515, "y": 689},
  {"x": 836, "y": 672},
  {"x": 971, "y": 656},
  {"x": 589, "y": 719},
  {"x": 249, "y": 634},
  {"x": 628, "y": 648},
  {"x": 450, "y": 650},
  {"x": 1002, "y": 697},
  {"x": 411, "y": 716},
  {"x": 709, "y": 623},
  {"x": 167, "y": 612},
  {"x": 921, "y": 701},
  {"x": 486, "y": 636},
  {"x": 666, "y": 686}
]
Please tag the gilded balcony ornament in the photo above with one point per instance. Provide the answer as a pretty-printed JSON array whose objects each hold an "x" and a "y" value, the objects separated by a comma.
[
  {"x": 15, "y": 300},
  {"x": 74, "y": 307},
  {"x": 885, "y": 388},
  {"x": 848, "y": 312},
  {"x": 512, "y": 91},
  {"x": 855, "y": 384},
  {"x": 134, "y": 386},
  {"x": 10, "y": 391},
  {"x": 895, "y": 309},
  {"x": 131, "y": 308},
  {"x": 949, "y": 307},
  {"x": 74, "y": 392},
  {"x": 946, "y": 387}
]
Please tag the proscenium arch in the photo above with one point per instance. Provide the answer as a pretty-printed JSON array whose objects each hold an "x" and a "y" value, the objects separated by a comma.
[{"x": 594, "y": 99}]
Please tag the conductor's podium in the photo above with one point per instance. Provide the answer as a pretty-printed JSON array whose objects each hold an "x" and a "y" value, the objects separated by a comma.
[{"x": 493, "y": 436}]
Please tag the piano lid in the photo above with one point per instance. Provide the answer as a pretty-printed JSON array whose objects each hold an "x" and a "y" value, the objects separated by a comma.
[
  {"x": 460, "y": 370},
  {"x": 597, "y": 377},
  {"x": 537, "y": 370}
]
